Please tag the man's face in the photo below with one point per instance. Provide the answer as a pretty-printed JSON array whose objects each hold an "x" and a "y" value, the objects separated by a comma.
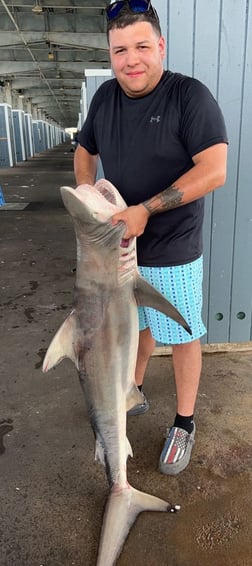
[{"x": 136, "y": 54}]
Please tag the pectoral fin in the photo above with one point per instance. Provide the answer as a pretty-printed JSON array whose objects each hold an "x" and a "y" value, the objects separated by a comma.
[
  {"x": 64, "y": 344},
  {"x": 147, "y": 296}
]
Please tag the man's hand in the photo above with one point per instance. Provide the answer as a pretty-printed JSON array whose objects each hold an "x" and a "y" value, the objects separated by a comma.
[{"x": 135, "y": 218}]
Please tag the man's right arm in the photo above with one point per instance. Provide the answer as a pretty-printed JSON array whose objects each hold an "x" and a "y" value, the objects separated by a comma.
[{"x": 85, "y": 166}]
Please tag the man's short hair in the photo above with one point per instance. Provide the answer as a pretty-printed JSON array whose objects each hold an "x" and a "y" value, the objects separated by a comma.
[{"x": 126, "y": 18}]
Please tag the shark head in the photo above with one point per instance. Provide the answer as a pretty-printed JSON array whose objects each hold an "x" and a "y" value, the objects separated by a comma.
[{"x": 92, "y": 208}]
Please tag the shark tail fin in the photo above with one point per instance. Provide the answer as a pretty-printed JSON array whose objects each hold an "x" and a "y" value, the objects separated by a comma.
[
  {"x": 122, "y": 508},
  {"x": 147, "y": 296},
  {"x": 63, "y": 344}
]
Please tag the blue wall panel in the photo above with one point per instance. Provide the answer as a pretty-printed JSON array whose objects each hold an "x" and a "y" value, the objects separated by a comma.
[
  {"x": 93, "y": 82},
  {"x": 42, "y": 140},
  {"x": 241, "y": 283},
  {"x": 29, "y": 141},
  {"x": 36, "y": 136},
  {"x": 19, "y": 134},
  {"x": 7, "y": 142},
  {"x": 180, "y": 36},
  {"x": 230, "y": 89}
]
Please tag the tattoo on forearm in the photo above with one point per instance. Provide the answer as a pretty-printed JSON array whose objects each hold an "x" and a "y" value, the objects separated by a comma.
[{"x": 166, "y": 200}]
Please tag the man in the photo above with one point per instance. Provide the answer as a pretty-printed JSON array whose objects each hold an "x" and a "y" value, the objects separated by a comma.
[{"x": 162, "y": 141}]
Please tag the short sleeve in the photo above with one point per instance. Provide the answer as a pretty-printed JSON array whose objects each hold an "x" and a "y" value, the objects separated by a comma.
[{"x": 202, "y": 122}]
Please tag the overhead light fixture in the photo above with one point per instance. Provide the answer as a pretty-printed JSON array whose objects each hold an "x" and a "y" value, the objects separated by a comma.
[
  {"x": 37, "y": 9},
  {"x": 51, "y": 56}
]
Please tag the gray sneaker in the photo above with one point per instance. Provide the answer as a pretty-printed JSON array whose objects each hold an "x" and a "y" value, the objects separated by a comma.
[
  {"x": 176, "y": 453},
  {"x": 140, "y": 408}
]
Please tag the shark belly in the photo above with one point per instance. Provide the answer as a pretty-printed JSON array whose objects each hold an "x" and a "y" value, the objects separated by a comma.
[{"x": 106, "y": 371}]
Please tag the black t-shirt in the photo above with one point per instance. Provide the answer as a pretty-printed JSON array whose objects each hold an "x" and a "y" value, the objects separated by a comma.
[{"x": 146, "y": 144}]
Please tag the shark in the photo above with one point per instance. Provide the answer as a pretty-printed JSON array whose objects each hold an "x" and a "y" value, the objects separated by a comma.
[{"x": 100, "y": 336}]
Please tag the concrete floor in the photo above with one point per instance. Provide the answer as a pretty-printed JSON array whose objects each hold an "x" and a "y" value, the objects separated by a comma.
[{"x": 51, "y": 491}]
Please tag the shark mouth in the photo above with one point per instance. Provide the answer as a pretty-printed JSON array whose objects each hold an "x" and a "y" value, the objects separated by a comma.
[
  {"x": 108, "y": 192},
  {"x": 127, "y": 259},
  {"x": 108, "y": 195}
]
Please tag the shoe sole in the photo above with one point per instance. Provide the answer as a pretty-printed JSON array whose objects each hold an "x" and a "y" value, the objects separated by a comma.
[{"x": 177, "y": 467}]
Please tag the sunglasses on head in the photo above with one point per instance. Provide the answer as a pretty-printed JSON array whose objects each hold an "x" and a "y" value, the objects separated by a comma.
[{"x": 135, "y": 6}]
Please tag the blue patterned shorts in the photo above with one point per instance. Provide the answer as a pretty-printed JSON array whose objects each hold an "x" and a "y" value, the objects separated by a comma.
[{"x": 182, "y": 286}]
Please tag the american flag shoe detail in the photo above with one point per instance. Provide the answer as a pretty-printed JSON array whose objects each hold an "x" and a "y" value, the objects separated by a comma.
[{"x": 176, "y": 453}]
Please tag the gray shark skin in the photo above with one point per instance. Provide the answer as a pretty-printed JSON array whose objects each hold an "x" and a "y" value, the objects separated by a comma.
[{"x": 100, "y": 336}]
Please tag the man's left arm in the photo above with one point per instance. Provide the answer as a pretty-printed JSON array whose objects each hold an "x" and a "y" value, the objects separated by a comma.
[{"x": 208, "y": 173}]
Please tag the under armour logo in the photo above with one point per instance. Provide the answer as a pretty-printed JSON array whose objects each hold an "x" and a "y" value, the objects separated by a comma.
[{"x": 155, "y": 119}]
